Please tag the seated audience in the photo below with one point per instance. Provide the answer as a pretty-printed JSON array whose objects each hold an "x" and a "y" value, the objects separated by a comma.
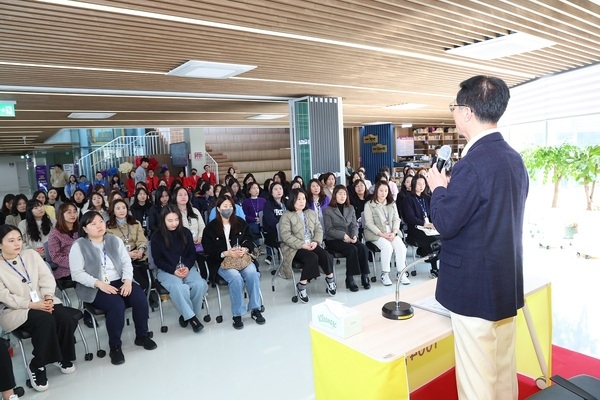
[
  {"x": 272, "y": 212},
  {"x": 141, "y": 209},
  {"x": 36, "y": 227},
  {"x": 17, "y": 213},
  {"x": 317, "y": 199}
]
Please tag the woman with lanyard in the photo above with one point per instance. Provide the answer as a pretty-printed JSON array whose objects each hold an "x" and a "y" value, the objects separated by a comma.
[
  {"x": 124, "y": 226},
  {"x": 317, "y": 199},
  {"x": 273, "y": 210},
  {"x": 141, "y": 208},
  {"x": 102, "y": 268},
  {"x": 28, "y": 302},
  {"x": 301, "y": 238},
  {"x": 415, "y": 211},
  {"x": 253, "y": 206},
  {"x": 382, "y": 225}
]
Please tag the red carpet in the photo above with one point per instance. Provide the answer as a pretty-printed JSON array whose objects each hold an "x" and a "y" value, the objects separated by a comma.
[{"x": 565, "y": 363}]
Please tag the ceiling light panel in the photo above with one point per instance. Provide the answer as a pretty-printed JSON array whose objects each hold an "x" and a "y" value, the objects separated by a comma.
[
  {"x": 90, "y": 115},
  {"x": 503, "y": 46},
  {"x": 209, "y": 70}
]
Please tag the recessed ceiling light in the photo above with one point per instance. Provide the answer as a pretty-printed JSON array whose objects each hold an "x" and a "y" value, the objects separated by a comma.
[
  {"x": 503, "y": 46},
  {"x": 209, "y": 70},
  {"x": 90, "y": 115},
  {"x": 406, "y": 106},
  {"x": 267, "y": 116}
]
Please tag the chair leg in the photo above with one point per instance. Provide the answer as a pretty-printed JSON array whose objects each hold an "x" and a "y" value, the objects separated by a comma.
[
  {"x": 99, "y": 352},
  {"x": 207, "y": 316},
  {"x": 24, "y": 357},
  {"x": 88, "y": 356},
  {"x": 220, "y": 316}
]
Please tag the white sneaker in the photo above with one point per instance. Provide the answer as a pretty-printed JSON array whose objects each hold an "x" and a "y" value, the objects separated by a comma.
[
  {"x": 385, "y": 279},
  {"x": 65, "y": 367},
  {"x": 404, "y": 279},
  {"x": 13, "y": 397}
]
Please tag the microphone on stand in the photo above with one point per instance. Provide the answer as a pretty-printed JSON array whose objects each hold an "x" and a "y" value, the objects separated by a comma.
[
  {"x": 399, "y": 310},
  {"x": 444, "y": 158}
]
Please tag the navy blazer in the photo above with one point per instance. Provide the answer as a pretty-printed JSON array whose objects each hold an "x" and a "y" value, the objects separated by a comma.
[{"x": 480, "y": 218}]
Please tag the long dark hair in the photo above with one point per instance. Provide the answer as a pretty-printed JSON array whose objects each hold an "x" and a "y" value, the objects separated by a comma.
[
  {"x": 79, "y": 205},
  {"x": 188, "y": 205},
  {"x": 233, "y": 221},
  {"x": 334, "y": 202},
  {"x": 112, "y": 220},
  {"x": 4, "y": 210},
  {"x": 37, "y": 193},
  {"x": 291, "y": 204},
  {"x": 91, "y": 204},
  {"x": 16, "y": 200},
  {"x": 309, "y": 194},
  {"x": 158, "y": 194},
  {"x": 389, "y": 199},
  {"x": 164, "y": 231},
  {"x": 136, "y": 203},
  {"x": 32, "y": 227}
]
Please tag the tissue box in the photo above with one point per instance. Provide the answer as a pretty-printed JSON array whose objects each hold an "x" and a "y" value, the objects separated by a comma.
[{"x": 336, "y": 318}]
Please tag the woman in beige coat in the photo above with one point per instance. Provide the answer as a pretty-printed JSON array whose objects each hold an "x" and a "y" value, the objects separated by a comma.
[
  {"x": 301, "y": 235},
  {"x": 382, "y": 225},
  {"x": 27, "y": 302}
]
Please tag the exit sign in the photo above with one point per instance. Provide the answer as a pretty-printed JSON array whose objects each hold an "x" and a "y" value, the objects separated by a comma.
[{"x": 7, "y": 108}]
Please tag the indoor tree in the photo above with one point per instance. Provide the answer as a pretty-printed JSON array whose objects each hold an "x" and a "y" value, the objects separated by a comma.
[{"x": 585, "y": 168}]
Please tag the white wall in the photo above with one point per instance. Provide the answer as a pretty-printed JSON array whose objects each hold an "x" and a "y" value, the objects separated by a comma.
[{"x": 15, "y": 178}]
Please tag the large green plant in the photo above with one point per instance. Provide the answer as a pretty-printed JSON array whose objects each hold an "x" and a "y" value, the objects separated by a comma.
[
  {"x": 585, "y": 167},
  {"x": 551, "y": 162}
]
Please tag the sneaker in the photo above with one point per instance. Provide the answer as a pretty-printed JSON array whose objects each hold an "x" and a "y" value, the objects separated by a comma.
[
  {"x": 269, "y": 260},
  {"x": 116, "y": 356},
  {"x": 38, "y": 379},
  {"x": 257, "y": 316},
  {"x": 182, "y": 322},
  {"x": 196, "y": 324},
  {"x": 331, "y": 286},
  {"x": 301, "y": 290},
  {"x": 404, "y": 279},
  {"x": 237, "y": 323},
  {"x": 385, "y": 279},
  {"x": 66, "y": 367},
  {"x": 433, "y": 273},
  {"x": 146, "y": 342},
  {"x": 13, "y": 397}
]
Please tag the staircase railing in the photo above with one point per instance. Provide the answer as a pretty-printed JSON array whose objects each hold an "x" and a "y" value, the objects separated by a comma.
[
  {"x": 122, "y": 149},
  {"x": 214, "y": 166}
]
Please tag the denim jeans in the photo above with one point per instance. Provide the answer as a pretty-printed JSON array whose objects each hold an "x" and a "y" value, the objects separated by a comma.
[
  {"x": 186, "y": 293},
  {"x": 235, "y": 279}
]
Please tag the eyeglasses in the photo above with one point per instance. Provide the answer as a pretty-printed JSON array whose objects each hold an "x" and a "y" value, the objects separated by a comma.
[{"x": 452, "y": 106}]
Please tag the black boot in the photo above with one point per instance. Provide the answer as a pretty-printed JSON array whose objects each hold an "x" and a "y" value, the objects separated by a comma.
[
  {"x": 350, "y": 284},
  {"x": 364, "y": 280}
]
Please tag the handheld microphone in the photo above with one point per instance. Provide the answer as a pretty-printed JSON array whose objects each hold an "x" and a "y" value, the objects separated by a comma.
[{"x": 444, "y": 156}]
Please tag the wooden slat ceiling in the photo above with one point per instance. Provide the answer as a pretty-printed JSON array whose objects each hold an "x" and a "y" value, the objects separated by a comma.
[{"x": 372, "y": 53}]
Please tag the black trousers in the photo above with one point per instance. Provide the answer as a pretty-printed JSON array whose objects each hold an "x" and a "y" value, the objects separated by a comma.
[
  {"x": 140, "y": 273},
  {"x": 312, "y": 260},
  {"x": 114, "y": 306},
  {"x": 7, "y": 378},
  {"x": 357, "y": 258},
  {"x": 423, "y": 241},
  {"x": 61, "y": 193},
  {"x": 51, "y": 335}
]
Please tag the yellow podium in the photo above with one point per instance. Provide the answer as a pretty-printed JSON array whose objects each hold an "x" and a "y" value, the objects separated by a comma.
[{"x": 390, "y": 359}]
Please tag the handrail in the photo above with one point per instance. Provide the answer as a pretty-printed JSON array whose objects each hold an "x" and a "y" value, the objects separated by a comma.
[{"x": 214, "y": 165}]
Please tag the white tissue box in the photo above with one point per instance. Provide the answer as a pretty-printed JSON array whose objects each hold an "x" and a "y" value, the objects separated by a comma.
[{"x": 334, "y": 317}]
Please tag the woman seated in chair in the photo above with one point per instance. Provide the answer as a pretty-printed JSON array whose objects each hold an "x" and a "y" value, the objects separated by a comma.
[
  {"x": 382, "y": 225},
  {"x": 97, "y": 203},
  {"x": 27, "y": 297},
  {"x": 317, "y": 199},
  {"x": 102, "y": 268},
  {"x": 124, "y": 226},
  {"x": 253, "y": 206},
  {"x": 141, "y": 208},
  {"x": 61, "y": 238},
  {"x": 36, "y": 227},
  {"x": 272, "y": 212},
  {"x": 416, "y": 211},
  {"x": 228, "y": 243},
  {"x": 174, "y": 254},
  {"x": 162, "y": 197},
  {"x": 301, "y": 237},
  {"x": 17, "y": 212},
  {"x": 341, "y": 236}
]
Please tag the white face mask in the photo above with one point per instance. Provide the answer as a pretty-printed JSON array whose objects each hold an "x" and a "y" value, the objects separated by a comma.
[{"x": 227, "y": 212}]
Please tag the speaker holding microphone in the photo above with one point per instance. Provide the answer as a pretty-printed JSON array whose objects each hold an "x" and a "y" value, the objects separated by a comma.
[{"x": 445, "y": 159}]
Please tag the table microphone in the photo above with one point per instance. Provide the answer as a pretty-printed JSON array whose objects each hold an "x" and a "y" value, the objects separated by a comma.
[
  {"x": 400, "y": 310},
  {"x": 444, "y": 157}
]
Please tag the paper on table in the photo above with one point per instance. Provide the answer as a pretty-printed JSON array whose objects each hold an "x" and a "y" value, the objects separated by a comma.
[
  {"x": 431, "y": 304},
  {"x": 428, "y": 231}
]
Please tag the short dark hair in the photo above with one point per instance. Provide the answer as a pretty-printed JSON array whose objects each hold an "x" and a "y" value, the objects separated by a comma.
[
  {"x": 6, "y": 229},
  {"x": 336, "y": 189},
  {"x": 59, "y": 166},
  {"x": 144, "y": 159},
  {"x": 486, "y": 96},
  {"x": 85, "y": 220},
  {"x": 294, "y": 193}
]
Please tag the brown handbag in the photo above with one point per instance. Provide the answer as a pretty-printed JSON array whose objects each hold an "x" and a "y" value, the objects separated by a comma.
[{"x": 236, "y": 263}]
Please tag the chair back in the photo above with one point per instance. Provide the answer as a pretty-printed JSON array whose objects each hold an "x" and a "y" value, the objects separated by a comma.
[
  {"x": 49, "y": 261},
  {"x": 151, "y": 265}
]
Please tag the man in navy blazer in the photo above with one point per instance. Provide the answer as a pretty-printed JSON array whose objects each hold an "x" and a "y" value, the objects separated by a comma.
[{"x": 479, "y": 213}]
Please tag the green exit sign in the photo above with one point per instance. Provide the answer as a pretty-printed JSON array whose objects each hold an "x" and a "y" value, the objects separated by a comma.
[{"x": 7, "y": 108}]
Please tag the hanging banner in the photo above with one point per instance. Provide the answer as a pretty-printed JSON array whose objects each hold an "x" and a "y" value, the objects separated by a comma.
[{"x": 41, "y": 176}]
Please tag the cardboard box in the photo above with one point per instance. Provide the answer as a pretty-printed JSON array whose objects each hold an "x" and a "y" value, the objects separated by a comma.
[{"x": 334, "y": 317}]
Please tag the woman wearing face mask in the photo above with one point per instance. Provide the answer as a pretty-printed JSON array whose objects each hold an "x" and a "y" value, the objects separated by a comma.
[
  {"x": 27, "y": 295},
  {"x": 174, "y": 255},
  {"x": 102, "y": 268},
  {"x": 36, "y": 227},
  {"x": 17, "y": 213},
  {"x": 124, "y": 226},
  {"x": 229, "y": 236}
]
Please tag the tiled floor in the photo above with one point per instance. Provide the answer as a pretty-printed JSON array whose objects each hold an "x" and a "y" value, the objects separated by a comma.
[{"x": 274, "y": 361}]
